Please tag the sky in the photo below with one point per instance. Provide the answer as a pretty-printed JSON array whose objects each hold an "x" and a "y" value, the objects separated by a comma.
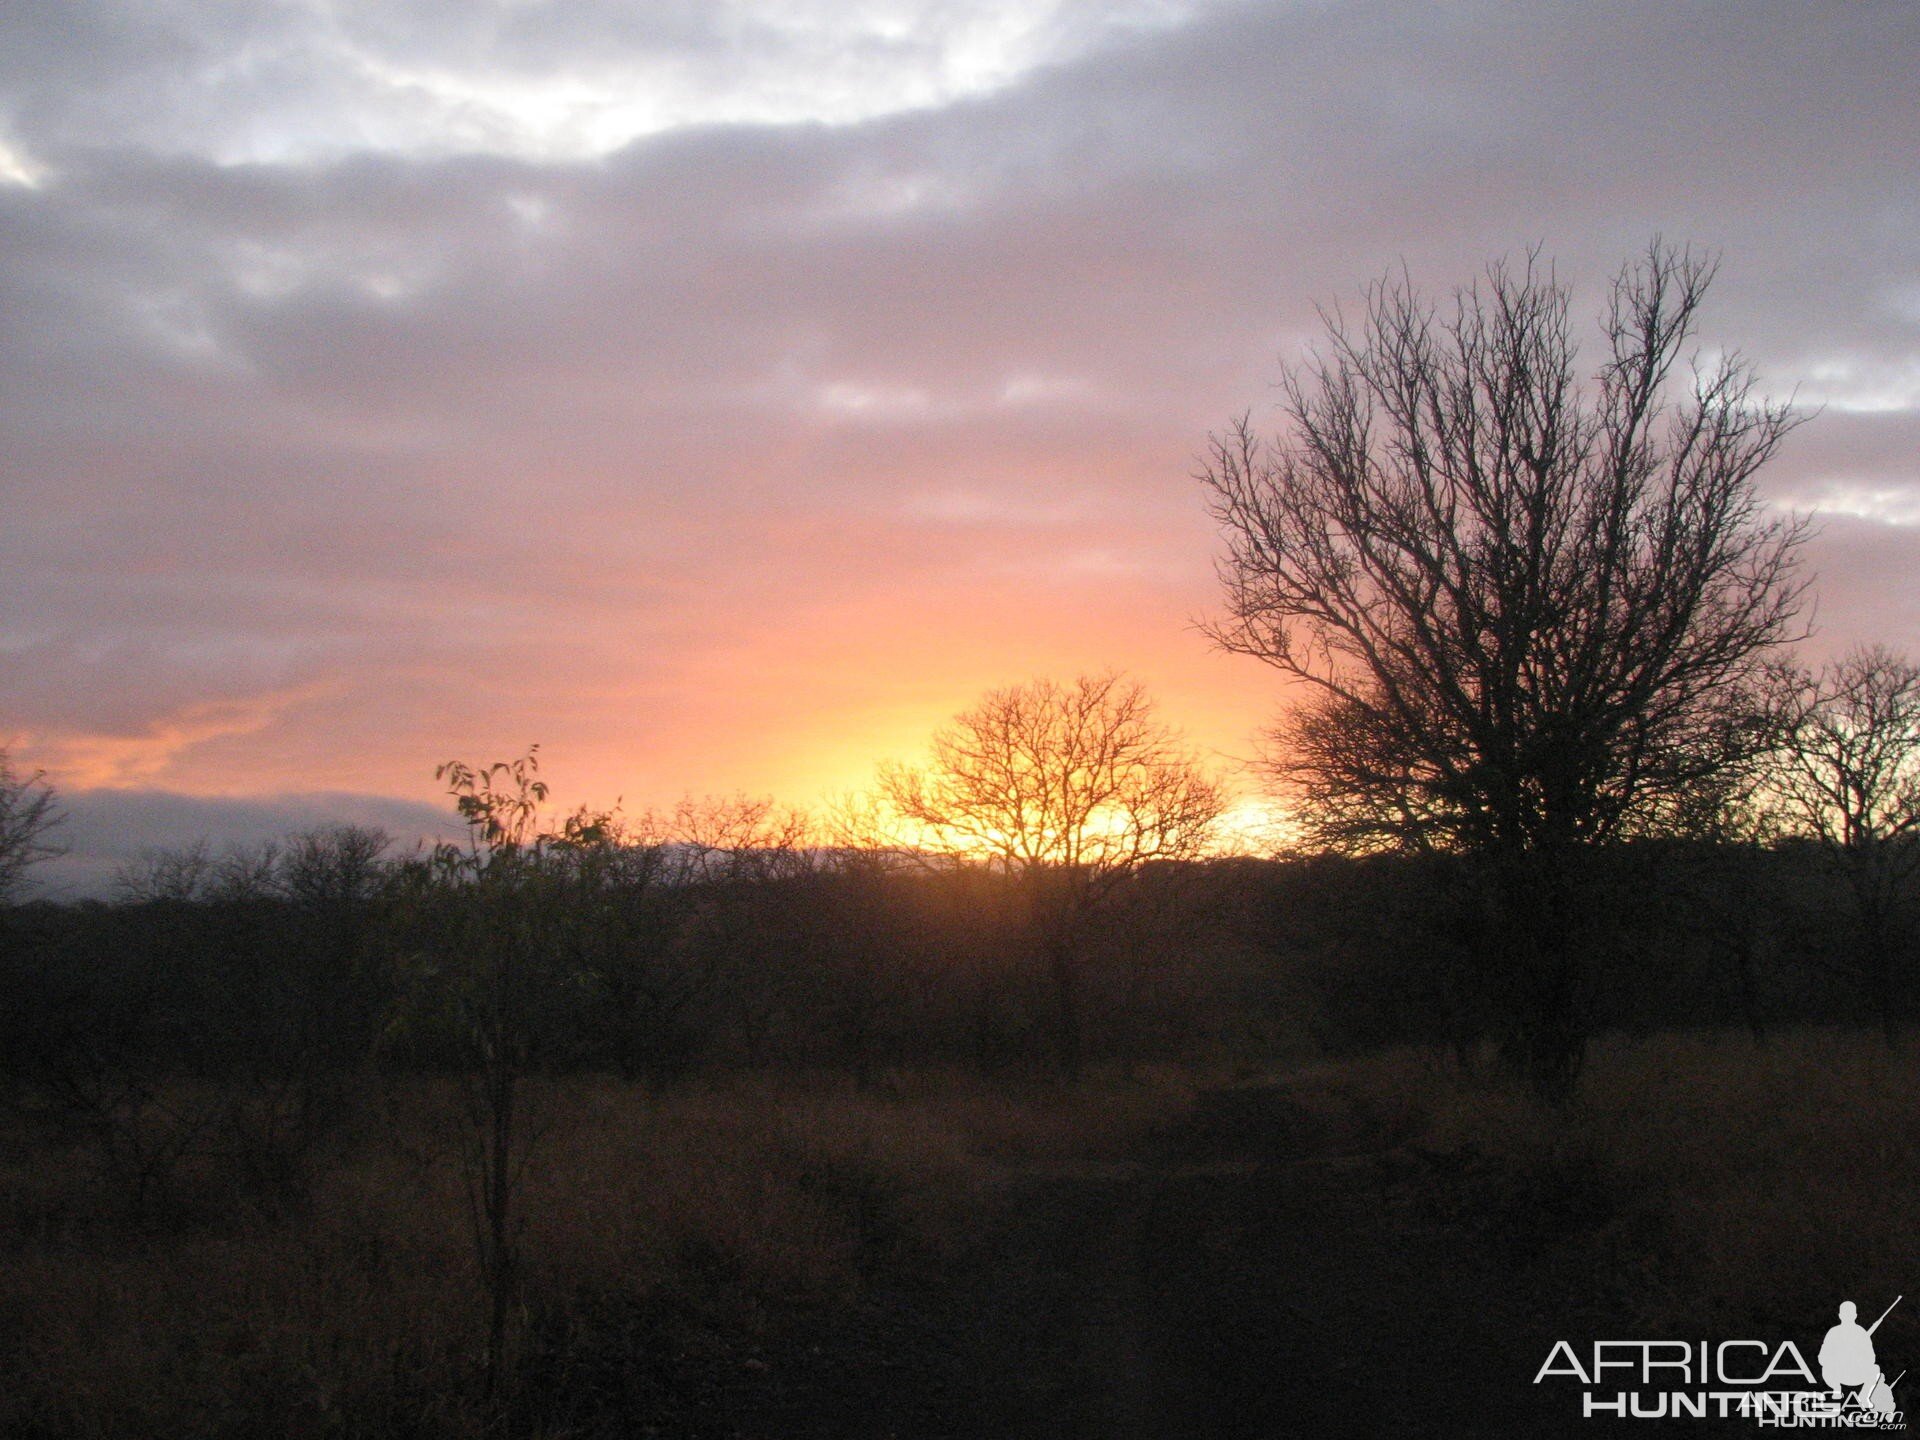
[{"x": 723, "y": 394}]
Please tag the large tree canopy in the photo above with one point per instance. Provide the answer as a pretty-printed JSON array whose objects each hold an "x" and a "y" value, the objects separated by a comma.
[{"x": 1529, "y": 606}]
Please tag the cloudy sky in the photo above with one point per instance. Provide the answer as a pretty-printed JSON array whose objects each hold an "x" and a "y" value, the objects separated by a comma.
[{"x": 721, "y": 394}]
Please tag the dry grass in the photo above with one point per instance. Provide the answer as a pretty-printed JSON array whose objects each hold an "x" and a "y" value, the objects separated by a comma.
[
  {"x": 1700, "y": 1184},
  {"x": 1704, "y": 1180},
  {"x": 358, "y": 1311}
]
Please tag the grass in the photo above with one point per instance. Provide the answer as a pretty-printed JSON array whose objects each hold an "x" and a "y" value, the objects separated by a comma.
[
  {"x": 1701, "y": 1184},
  {"x": 357, "y": 1311}
]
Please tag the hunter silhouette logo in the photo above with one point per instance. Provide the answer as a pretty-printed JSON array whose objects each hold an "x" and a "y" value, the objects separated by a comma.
[
  {"x": 1770, "y": 1384},
  {"x": 1849, "y": 1366}
]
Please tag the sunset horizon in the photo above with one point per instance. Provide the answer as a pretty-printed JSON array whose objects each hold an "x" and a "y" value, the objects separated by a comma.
[{"x": 958, "y": 719}]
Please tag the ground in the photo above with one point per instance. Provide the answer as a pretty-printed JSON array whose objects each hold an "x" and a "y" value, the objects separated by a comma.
[{"x": 1265, "y": 1268}]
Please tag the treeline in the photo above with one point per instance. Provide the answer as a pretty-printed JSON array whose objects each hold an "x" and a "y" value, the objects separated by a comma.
[
  {"x": 655, "y": 961},
  {"x": 281, "y": 972},
  {"x": 1671, "y": 934}
]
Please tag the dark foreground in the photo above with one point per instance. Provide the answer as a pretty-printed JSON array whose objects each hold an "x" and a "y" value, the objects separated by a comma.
[{"x": 1266, "y": 1269}]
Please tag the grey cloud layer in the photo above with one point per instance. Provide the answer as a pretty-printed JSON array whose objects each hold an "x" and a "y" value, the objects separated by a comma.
[{"x": 319, "y": 78}]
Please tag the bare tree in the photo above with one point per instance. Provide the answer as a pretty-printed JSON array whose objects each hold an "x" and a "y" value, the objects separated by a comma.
[
  {"x": 741, "y": 837},
  {"x": 28, "y": 816},
  {"x": 179, "y": 874},
  {"x": 334, "y": 865},
  {"x": 1529, "y": 610},
  {"x": 1070, "y": 787},
  {"x": 1849, "y": 779}
]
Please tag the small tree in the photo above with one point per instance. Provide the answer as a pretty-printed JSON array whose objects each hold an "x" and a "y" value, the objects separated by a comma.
[
  {"x": 1071, "y": 788},
  {"x": 1528, "y": 612},
  {"x": 485, "y": 921},
  {"x": 1849, "y": 779}
]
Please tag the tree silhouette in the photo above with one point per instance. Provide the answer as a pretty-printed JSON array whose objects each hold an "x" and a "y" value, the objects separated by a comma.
[
  {"x": 1849, "y": 778},
  {"x": 1529, "y": 612},
  {"x": 484, "y": 925},
  {"x": 28, "y": 816},
  {"x": 1071, "y": 788}
]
